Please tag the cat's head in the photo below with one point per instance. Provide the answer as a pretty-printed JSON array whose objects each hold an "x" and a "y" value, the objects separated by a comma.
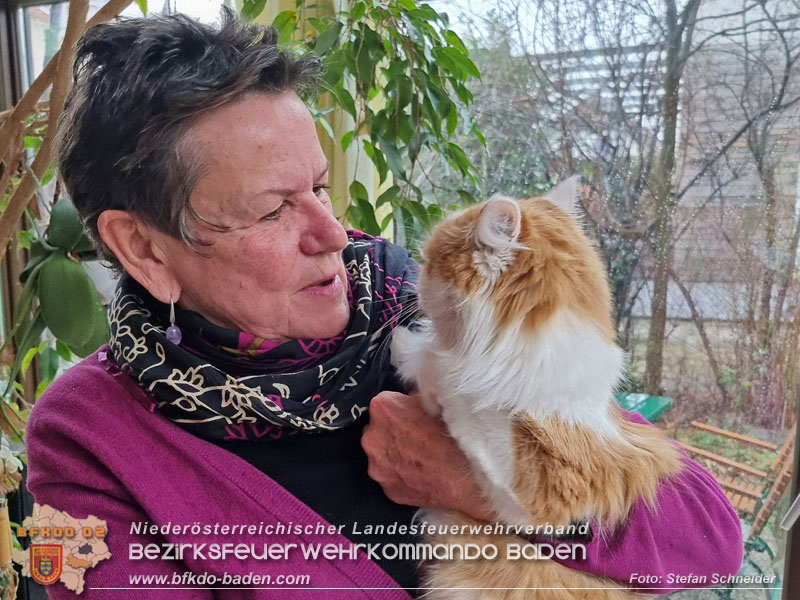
[{"x": 526, "y": 259}]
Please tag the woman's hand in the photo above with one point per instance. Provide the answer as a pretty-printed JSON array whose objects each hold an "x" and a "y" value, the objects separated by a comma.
[{"x": 414, "y": 459}]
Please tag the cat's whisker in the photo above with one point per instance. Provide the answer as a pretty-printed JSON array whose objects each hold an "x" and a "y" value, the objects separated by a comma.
[
  {"x": 394, "y": 320},
  {"x": 426, "y": 593},
  {"x": 366, "y": 302}
]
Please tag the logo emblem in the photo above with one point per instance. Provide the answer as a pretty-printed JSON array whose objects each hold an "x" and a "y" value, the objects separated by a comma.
[{"x": 46, "y": 562}]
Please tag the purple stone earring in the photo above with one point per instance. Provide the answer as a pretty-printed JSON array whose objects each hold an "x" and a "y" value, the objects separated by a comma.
[{"x": 173, "y": 332}]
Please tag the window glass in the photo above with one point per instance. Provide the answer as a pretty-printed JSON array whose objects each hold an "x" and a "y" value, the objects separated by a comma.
[
  {"x": 42, "y": 26},
  {"x": 700, "y": 146}
]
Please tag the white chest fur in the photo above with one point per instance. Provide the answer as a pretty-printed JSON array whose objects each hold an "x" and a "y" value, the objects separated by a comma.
[{"x": 566, "y": 370}]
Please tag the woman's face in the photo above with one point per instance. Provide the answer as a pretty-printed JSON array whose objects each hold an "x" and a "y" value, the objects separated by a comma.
[{"x": 278, "y": 272}]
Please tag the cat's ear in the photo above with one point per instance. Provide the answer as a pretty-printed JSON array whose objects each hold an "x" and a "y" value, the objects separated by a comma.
[
  {"x": 565, "y": 195},
  {"x": 499, "y": 223}
]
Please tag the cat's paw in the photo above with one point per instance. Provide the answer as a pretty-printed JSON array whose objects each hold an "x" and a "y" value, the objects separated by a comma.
[
  {"x": 431, "y": 405},
  {"x": 401, "y": 337},
  {"x": 407, "y": 349}
]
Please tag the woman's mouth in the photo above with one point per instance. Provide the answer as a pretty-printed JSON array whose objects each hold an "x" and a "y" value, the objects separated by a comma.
[{"x": 326, "y": 288}]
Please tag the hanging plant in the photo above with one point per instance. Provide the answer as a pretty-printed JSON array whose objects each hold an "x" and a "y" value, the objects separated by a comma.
[{"x": 58, "y": 295}]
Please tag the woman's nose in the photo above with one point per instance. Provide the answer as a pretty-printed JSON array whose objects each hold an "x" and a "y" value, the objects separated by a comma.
[{"x": 323, "y": 232}]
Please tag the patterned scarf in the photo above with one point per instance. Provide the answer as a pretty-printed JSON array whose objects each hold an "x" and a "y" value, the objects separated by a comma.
[{"x": 222, "y": 384}]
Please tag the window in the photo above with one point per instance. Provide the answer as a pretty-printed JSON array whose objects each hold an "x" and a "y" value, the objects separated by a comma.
[{"x": 577, "y": 86}]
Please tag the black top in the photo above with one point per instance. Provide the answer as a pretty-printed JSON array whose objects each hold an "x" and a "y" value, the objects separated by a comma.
[{"x": 328, "y": 472}]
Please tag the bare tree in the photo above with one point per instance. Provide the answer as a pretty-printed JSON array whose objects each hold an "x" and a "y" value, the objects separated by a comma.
[{"x": 749, "y": 80}]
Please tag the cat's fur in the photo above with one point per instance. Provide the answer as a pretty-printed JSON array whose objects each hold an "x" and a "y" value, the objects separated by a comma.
[{"x": 519, "y": 359}]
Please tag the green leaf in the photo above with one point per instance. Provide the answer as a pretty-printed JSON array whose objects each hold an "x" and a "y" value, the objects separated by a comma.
[
  {"x": 99, "y": 336},
  {"x": 24, "y": 239},
  {"x": 284, "y": 22},
  {"x": 68, "y": 300},
  {"x": 406, "y": 131},
  {"x": 404, "y": 93},
  {"x": 458, "y": 62},
  {"x": 28, "y": 359},
  {"x": 142, "y": 4},
  {"x": 39, "y": 251},
  {"x": 41, "y": 387},
  {"x": 353, "y": 217},
  {"x": 28, "y": 342},
  {"x": 347, "y": 138},
  {"x": 23, "y": 306},
  {"x": 65, "y": 229},
  {"x": 323, "y": 122},
  {"x": 32, "y": 142},
  {"x": 457, "y": 158},
  {"x": 327, "y": 39},
  {"x": 387, "y": 220},
  {"x": 377, "y": 159},
  {"x": 362, "y": 211},
  {"x": 393, "y": 158},
  {"x": 318, "y": 24},
  {"x": 452, "y": 120},
  {"x": 461, "y": 91},
  {"x": 418, "y": 210},
  {"x": 479, "y": 134},
  {"x": 344, "y": 99},
  {"x": 83, "y": 245},
  {"x": 368, "y": 222},
  {"x": 424, "y": 13},
  {"x": 453, "y": 39},
  {"x": 63, "y": 350},
  {"x": 467, "y": 199},
  {"x": 432, "y": 114},
  {"x": 333, "y": 65},
  {"x": 252, "y": 8},
  {"x": 358, "y": 11},
  {"x": 362, "y": 217},
  {"x": 48, "y": 364},
  {"x": 387, "y": 196},
  {"x": 48, "y": 175},
  {"x": 366, "y": 57},
  {"x": 435, "y": 212},
  {"x": 358, "y": 191}
]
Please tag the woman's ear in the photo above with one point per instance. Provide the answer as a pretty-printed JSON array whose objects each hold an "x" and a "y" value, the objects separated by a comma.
[{"x": 138, "y": 248}]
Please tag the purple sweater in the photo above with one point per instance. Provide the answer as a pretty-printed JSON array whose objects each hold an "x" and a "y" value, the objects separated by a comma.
[{"x": 96, "y": 448}]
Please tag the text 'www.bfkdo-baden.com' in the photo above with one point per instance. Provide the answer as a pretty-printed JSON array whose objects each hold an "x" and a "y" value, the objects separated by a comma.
[{"x": 189, "y": 579}]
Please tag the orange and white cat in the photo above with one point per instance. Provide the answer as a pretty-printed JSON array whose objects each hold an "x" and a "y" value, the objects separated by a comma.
[{"x": 519, "y": 359}]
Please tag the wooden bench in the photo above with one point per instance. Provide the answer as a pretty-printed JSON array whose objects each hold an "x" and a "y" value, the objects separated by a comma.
[
  {"x": 753, "y": 492},
  {"x": 781, "y": 470}
]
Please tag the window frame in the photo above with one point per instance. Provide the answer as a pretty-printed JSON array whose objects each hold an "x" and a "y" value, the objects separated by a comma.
[
  {"x": 10, "y": 92},
  {"x": 791, "y": 568}
]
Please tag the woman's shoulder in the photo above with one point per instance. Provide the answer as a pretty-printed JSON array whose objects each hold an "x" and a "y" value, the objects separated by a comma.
[
  {"x": 86, "y": 427},
  {"x": 91, "y": 391},
  {"x": 78, "y": 425}
]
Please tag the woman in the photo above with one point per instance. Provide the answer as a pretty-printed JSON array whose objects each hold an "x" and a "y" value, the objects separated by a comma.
[{"x": 249, "y": 340}]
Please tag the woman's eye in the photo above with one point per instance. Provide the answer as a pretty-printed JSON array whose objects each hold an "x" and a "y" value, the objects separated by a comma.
[
  {"x": 319, "y": 190},
  {"x": 274, "y": 214}
]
